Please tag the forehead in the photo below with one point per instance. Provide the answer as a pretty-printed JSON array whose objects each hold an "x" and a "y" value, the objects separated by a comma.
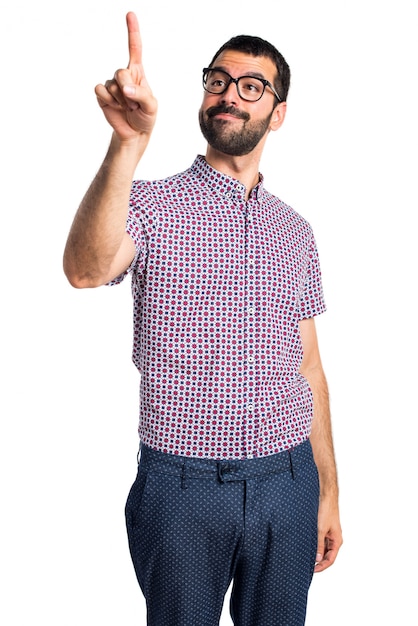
[{"x": 239, "y": 63}]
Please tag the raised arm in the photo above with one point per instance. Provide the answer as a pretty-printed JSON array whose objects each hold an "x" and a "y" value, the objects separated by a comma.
[
  {"x": 98, "y": 249},
  {"x": 329, "y": 528}
]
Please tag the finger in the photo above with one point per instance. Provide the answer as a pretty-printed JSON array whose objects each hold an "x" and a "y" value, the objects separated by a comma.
[
  {"x": 125, "y": 89},
  {"x": 326, "y": 561},
  {"x": 134, "y": 40},
  {"x": 104, "y": 97},
  {"x": 321, "y": 549},
  {"x": 328, "y": 556},
  {"x": 114, "y": 92}
]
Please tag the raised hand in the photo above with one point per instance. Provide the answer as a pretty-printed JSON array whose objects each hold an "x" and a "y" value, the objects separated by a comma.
[{"x": 127, "y": 100}]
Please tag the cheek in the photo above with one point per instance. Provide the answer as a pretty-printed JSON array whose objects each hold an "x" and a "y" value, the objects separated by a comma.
[{"x": 205, "y": 103}]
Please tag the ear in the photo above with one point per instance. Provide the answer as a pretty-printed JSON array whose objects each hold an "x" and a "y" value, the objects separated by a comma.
[{"x": 278, "y": 116}]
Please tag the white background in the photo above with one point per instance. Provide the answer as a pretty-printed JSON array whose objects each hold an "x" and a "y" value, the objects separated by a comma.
[{"x": 345, "y": 159}]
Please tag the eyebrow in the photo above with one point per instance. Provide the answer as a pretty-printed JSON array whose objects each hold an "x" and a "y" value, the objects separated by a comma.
[{"x": 253, "y": 74}]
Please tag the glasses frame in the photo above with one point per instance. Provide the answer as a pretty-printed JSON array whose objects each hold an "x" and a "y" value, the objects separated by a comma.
[{"x": 265, "y": 82}]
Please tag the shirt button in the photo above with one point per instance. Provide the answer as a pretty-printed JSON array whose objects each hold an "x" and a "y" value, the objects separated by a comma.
[
  {"x": 250, "y": 359},
  {"x": 251, "y": 261},
  {"x": 250, "y": 408},
  {"x": 251, "y": 310}
]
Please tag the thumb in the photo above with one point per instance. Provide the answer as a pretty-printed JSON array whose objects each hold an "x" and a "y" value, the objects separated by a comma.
[
  {"x": 320, "y": 550},
  {"x": 129, "y": 91}
]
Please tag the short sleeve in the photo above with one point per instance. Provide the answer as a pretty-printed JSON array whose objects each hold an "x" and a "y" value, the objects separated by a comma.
[
  {"x": 312, "y": 300},
  {"x": 137, "y": 230}
]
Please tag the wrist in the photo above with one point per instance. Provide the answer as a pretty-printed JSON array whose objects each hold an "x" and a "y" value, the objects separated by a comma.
[
  {"x": 126, "y": 152},
  {"x": 135, "y": 144}
]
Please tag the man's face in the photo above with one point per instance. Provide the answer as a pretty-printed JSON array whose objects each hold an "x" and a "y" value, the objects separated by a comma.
[{"x": 230, "y": 124}]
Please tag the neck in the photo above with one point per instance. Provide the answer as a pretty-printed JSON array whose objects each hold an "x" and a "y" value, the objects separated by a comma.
[{"x": 245, "y": 168}]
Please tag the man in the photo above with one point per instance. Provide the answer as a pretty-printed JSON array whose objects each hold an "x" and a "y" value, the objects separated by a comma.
[{"x": 234, "y": 420}]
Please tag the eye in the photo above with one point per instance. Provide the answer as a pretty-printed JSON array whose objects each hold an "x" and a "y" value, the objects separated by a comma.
[
  {"x": 216, "y": 80},
  {"x": 251, "y": 85}
]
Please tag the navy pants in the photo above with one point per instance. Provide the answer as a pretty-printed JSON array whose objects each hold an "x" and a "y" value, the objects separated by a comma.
[{"x": 194, "y": 525}]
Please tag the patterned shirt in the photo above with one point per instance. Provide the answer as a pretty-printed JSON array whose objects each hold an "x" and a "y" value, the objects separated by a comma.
[{"x": 219, "y": 286}]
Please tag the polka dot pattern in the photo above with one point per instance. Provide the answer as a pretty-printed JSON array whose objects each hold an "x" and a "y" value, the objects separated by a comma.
[
  {"x": 219, "y": 287},
  {"x": 194, "y": 525}
]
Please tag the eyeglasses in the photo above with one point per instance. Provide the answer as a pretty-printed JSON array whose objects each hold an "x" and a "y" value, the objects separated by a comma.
[{"x": 249, "y": 88}]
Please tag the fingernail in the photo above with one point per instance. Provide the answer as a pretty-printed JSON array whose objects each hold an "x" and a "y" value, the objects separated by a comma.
[
  {"x": 128, "y": 90},
  {"x": 318, "y": 558}
]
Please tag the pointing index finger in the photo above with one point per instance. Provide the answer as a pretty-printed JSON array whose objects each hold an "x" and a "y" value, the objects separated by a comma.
[{"x": 134, "y": 40}]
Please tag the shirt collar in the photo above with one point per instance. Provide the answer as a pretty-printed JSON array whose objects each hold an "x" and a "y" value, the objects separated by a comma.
[{"x": 226, "y": 185}]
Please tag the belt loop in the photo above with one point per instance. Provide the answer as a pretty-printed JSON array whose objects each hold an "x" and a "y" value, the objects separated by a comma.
[
  {"x": 183, "y": 477},
  {"x": 220, "y": 473},
  {"x": 292, "y": 469}
]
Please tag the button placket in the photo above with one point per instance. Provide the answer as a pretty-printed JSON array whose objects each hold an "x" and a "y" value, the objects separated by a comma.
[{"x": 250, "y": 315}]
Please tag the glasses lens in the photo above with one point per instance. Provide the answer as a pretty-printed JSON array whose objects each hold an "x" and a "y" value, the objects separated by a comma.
[
  {"x": 249, "y": 87},
  {"x": 215, "y": 81}
]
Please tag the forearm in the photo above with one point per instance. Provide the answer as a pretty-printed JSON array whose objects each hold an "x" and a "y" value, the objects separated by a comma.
[
  {"x": 329, "y": 527},
  {"x": 99, "y": 225},
  {"x": 321, "y": 435}
]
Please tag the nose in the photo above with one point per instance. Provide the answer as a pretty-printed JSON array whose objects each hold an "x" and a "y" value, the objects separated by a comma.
[{"x": 231, "y": 93}]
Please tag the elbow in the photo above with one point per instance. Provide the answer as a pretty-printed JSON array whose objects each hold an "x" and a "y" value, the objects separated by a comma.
[
  {"x": 78, "y": 282},
  {"x": 81, "y": 274},
  {"x": 83, "y": 283},
  {"x": 81, "y": 280}
]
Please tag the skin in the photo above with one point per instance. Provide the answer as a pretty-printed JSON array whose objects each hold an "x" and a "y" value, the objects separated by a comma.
[
  {"x": 329, "y": 527},
  {"x": 98, "y": 248}
]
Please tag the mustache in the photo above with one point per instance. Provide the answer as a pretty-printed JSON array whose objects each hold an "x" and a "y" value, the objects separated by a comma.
[{"x": 223, "y": 108}]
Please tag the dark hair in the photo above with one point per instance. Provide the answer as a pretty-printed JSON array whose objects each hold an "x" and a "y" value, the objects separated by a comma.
[{"x": 257, "y": 47}]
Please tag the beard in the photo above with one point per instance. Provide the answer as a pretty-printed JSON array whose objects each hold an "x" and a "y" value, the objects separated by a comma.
[{"x": 225, "y": 139}]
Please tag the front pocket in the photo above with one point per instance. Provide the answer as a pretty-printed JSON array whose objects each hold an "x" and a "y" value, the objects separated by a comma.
[{"x": 134, "y": 500}]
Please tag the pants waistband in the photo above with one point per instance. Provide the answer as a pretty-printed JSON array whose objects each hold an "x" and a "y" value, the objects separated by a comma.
[{"x": 225, "y": 470}]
